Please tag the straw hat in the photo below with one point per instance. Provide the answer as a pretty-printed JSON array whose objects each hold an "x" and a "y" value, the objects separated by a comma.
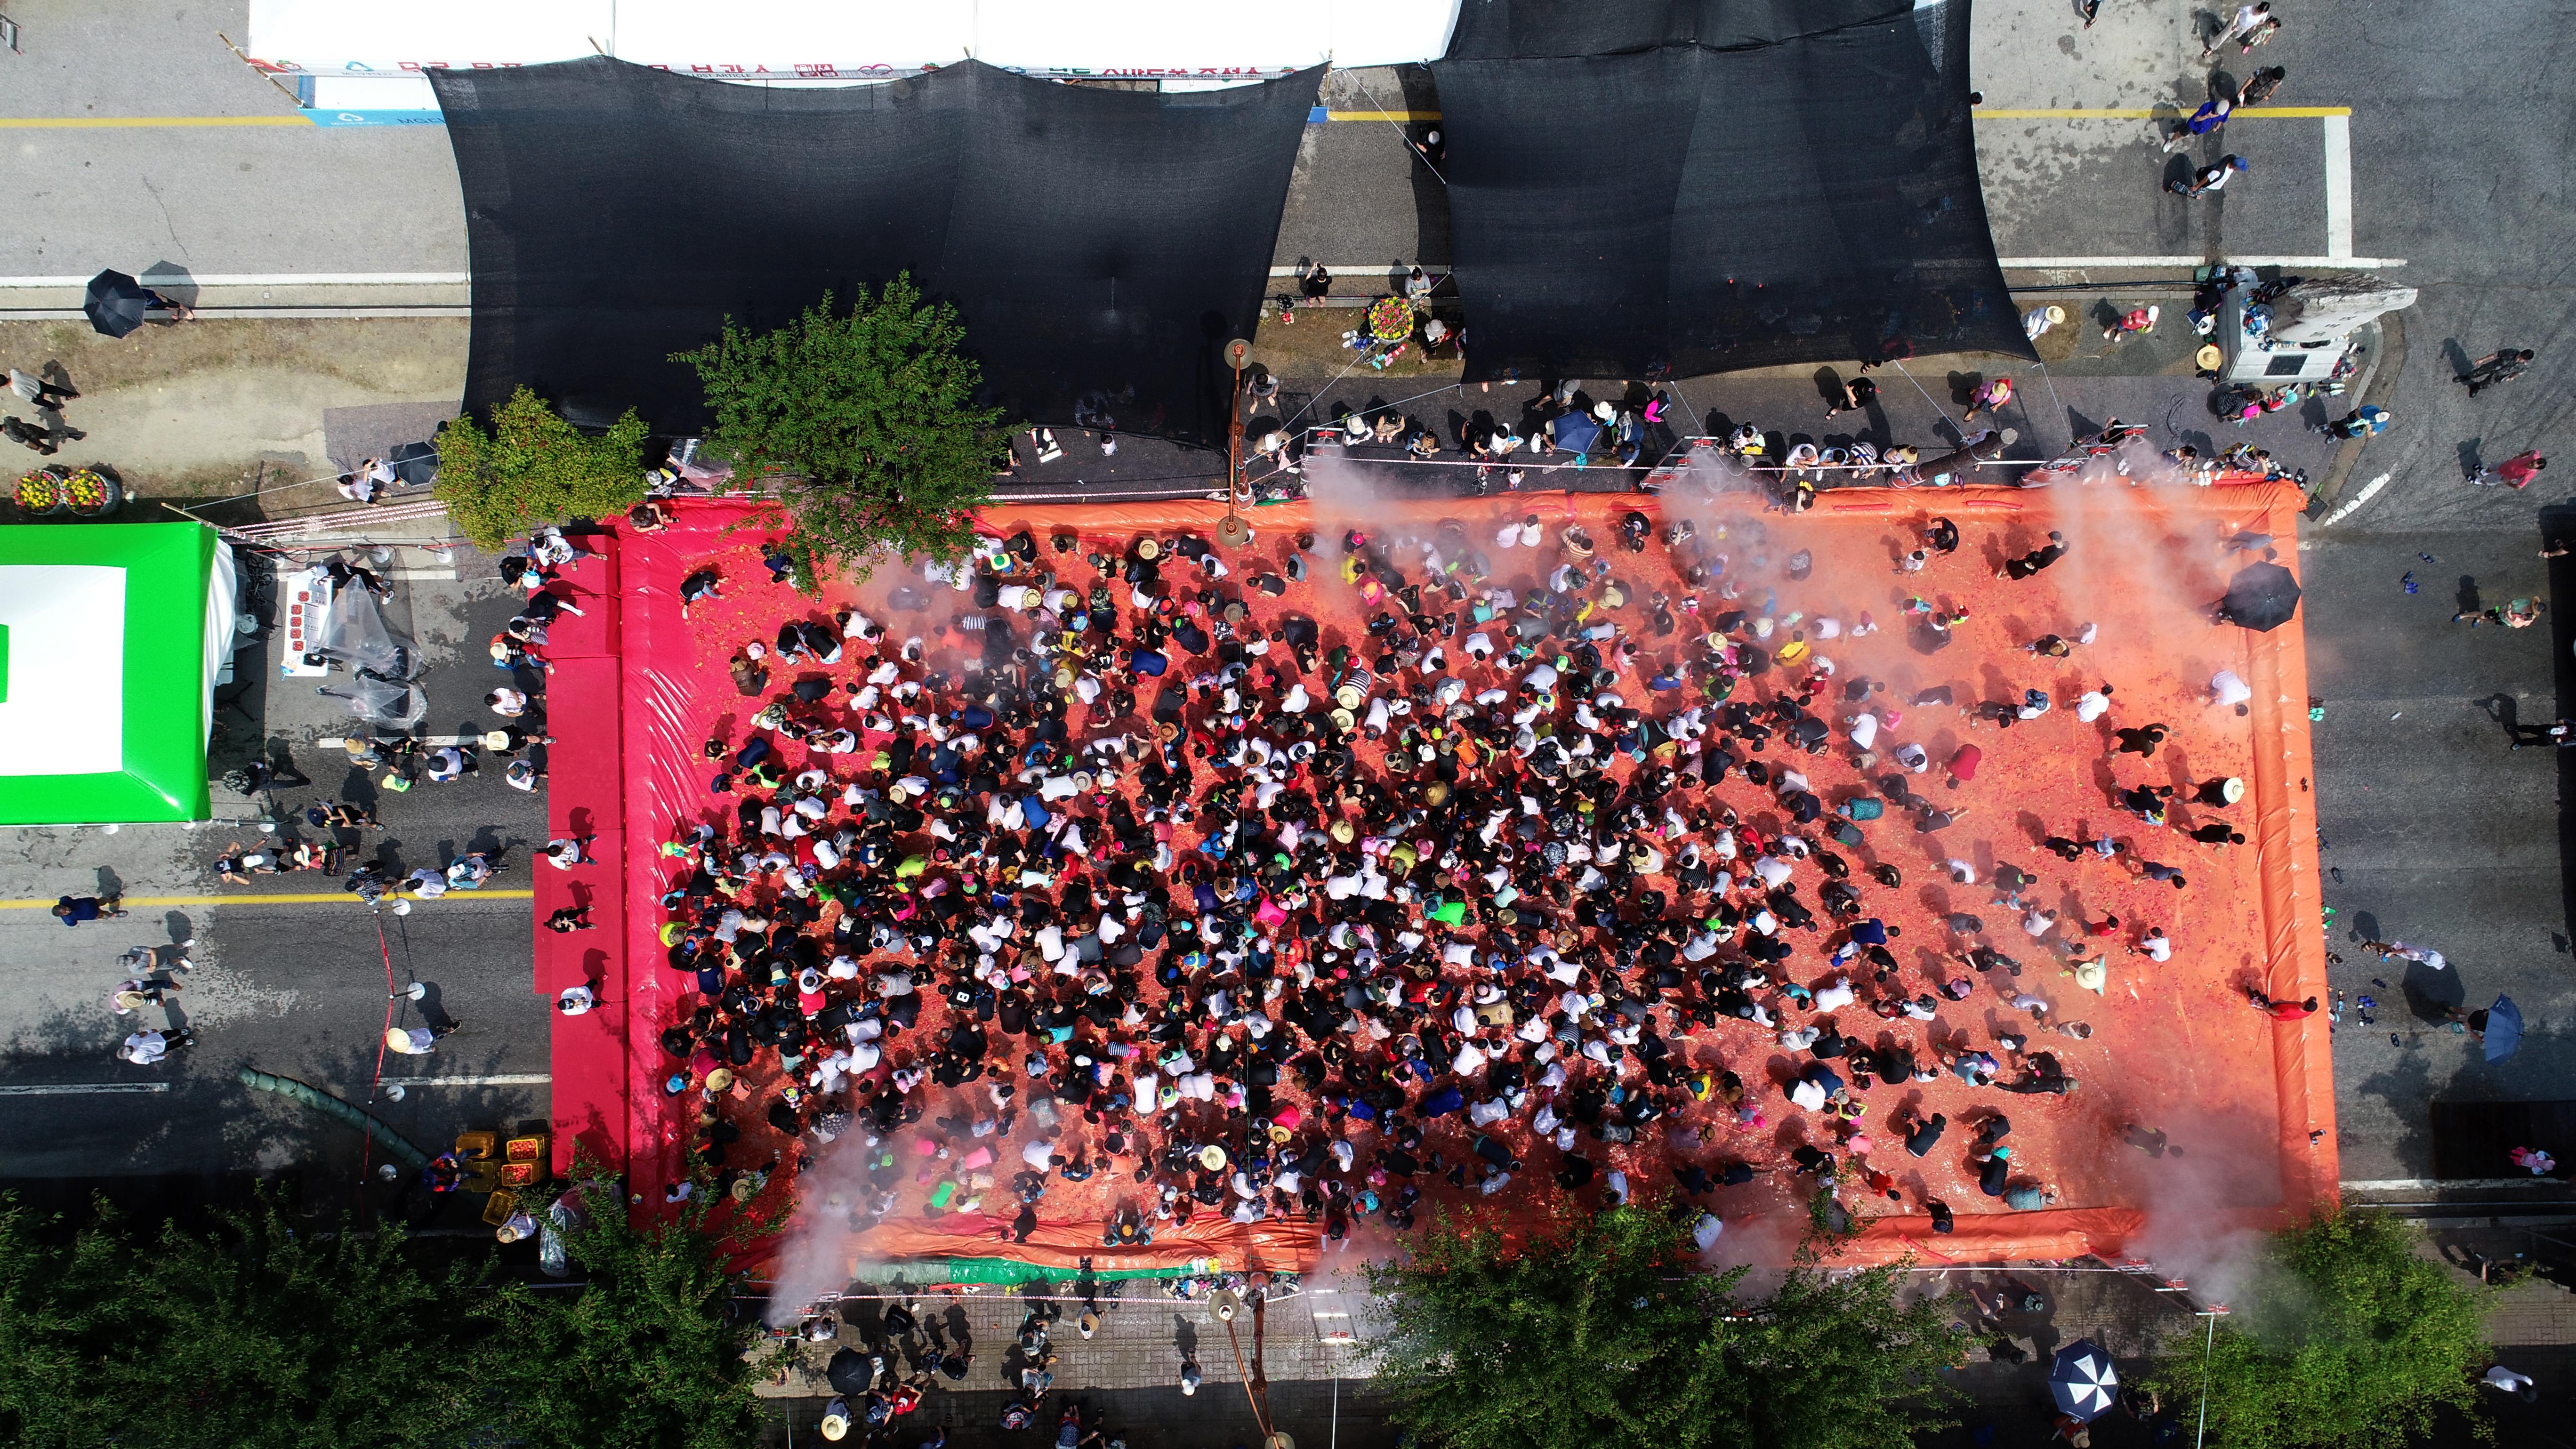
[
  {"x": 2208, "y": 357},
  {"x": 1343, "y": 832},
  {"x": 506, "y": 1233},
  {"x": 496, "y": 739},
  {"x": 1278, "y": 1133},
  {"x": 1149, "y": 548},
  {"x": 719, "y": 1079},
  {"x": 2233, "y": 790},
  {"x": 836, "y": 1427},
  {"x": 1349, "y": 696},
  {"x": 1344, "y": 720},
  {"x": 1212, "y": 1157},
  {"x": 2056, "y": 314}
]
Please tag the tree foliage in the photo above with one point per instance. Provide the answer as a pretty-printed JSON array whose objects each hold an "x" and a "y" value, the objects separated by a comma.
[
  {"x": 2349, "y": 1338},
  {"x": 254, "y": 1333},
  {"x": 250, "y": 1334},
  {"x": 1605, "y": 1332},
  {"x": 533, "y": 468},
  {"x": 868, "y": 420},
  {"x": 645, "y": 1354}
]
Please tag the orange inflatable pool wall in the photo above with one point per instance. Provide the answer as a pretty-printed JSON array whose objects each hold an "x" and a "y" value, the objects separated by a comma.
[{"x": 2245, "y": 1102}]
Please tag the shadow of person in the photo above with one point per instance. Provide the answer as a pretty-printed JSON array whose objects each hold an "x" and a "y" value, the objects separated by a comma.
[
  {"x": 2457, "y": 356},
  {"x": 1185, "y": 1335},
  {"x": 2433, "y": 994},
  {"x": 433, "y": 1009},
  {"x": 2468, "y": 601},
  {"x": 2505, "y": 710}
]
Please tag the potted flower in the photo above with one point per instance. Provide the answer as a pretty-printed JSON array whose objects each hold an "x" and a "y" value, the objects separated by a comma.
[
  {"x": 40, "y": 493},
  {"x": 89, "y": 495}
]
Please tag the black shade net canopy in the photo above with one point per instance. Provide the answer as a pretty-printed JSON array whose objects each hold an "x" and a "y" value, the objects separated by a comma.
[
  {"x": 1098, "y": 244},
  {"x": 1646, "y": 190}
]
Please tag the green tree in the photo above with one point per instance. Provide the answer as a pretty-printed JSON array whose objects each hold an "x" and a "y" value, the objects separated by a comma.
[
  {"x": 645, "y": 1355},
  {"x": 533, "y": 468},
  {"x": 250, "y": 1334},
  {"x": 2349, "y": 1337},
  {"x": 1603, "y": 1331},
  {"x": 867, "y": 422},
  {"x": 1842, "y": 1363}
]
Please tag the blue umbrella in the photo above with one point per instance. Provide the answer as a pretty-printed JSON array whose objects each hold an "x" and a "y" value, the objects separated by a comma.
[
  {"x": 2504, "y": 1029},
  {"x": 1577, "y": 432},
  {"x": 2081, "y": 1379}
]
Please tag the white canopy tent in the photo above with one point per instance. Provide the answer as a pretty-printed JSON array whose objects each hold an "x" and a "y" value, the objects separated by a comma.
[{"x": 808, "y": 41}]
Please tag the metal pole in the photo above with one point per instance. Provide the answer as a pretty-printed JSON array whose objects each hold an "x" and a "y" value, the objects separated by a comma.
[
  {"x": 1261, "y": 1374},
  {"x": 2205, "y": 1351},
  {"x": 1258, "y": 1417},
  {"x": 1234, "y": 442}
]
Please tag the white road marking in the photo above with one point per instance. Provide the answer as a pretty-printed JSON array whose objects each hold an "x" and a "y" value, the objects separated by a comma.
[
  {"x": 266, "y": 279},
  {"x": 534, "y": 1079},
  {"x": 2338, "y": 131},
  {"x": 2417, "y": 1184},
  {"x": 2368, "y": 491},
  {"x": 74, "y": 1089},
  {"x": 2050, "y": 264}
]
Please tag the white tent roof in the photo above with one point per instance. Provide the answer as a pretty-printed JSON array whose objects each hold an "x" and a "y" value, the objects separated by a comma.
[{"x": 849, "y": 39}]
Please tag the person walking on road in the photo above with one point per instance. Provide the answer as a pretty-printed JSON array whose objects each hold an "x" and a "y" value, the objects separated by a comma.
[
  {"x": 2210, "y": 117},
  {"x": 2502, "y": 365},
  {"x": 2259, "y": 86},
  {"x": 2247, "y": 27},
  {"x": 2516, "y": 471},
  {"x": 2213, "y": 177},
  {"x": 72, "y": 910},
  {"x": 147, "y": 1048},
  {"x": 1991, "y": 396}
]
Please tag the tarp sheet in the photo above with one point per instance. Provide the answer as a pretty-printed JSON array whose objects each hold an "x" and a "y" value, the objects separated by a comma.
[
  {"x": 1097, "y": 243},
  {"x": 108, "y": 648},
  {"x": 1686, "y": 188},
  {"x": 2174, "y": 1046}
]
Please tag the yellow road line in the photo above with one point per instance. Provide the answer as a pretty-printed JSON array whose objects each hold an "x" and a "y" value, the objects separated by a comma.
[
  {"x": 1398, "y": 116},
  {"x": 308, "y": 899},
  {"x": 93, "y": 123},
  {"x": 2277, "y": 113}
]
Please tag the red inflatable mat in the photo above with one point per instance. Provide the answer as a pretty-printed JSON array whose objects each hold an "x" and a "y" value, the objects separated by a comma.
[{"x": 2174, "y": 1047}]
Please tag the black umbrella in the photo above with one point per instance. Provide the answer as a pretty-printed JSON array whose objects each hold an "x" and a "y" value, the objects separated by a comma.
[
  {"x": 116, "y": 303},
  {"x": 2082, "y": 1380},
  {"x": 2262, "y": 597},
  {"x": 851, "y": 1372}
]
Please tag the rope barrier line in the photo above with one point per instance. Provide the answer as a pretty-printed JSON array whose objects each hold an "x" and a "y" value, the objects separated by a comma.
[
  {"x": 1389, "y": 117},
  {"x": 387, "y": 952}
]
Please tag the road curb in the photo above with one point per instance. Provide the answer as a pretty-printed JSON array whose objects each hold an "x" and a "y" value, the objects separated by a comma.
[{"x": 2378, "y": 378}]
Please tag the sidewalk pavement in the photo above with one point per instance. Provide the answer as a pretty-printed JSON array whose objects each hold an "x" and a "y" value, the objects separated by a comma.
[
  {"x": 217, "y": 407},
  {"x": 1919, "y": 405},
  {"x": 1127, "y": 1374}
]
